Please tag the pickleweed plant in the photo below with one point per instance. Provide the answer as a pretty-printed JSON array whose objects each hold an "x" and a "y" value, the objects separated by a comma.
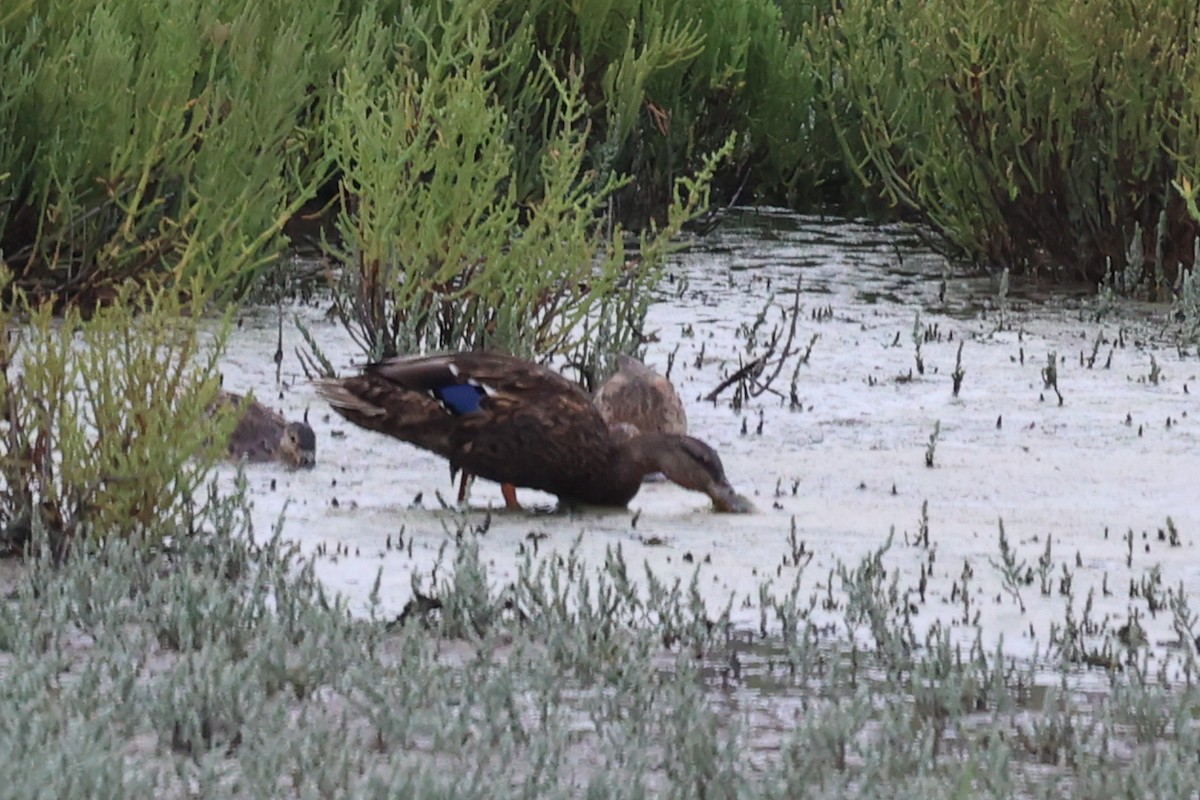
[
  {"x": 1002, "y": 304},
  {"x": 916, "y": 340},
  {"x": 931, "y": 448},
  {"x": 157, "y": 144},
  {"x": 604, "y": 678},
  {"x": 1014, "y": 571},
  {"x": 109, "y": 423},
  {"x": 1185, "y": 302},
  {"x": 437, "y": 250},
  {"x": 1003, "y": 129}
]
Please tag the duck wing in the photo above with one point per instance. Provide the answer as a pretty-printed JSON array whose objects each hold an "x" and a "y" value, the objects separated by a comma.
[
  {"x": 495, "y": 373},
  {"x": 498, "y": 416}
]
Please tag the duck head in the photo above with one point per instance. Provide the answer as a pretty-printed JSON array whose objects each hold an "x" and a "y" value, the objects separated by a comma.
[
  {"x": 692, "y": 464},
  {"x": 298, "y": 446}
]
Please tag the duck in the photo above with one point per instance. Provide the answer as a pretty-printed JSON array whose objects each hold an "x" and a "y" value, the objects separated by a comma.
[
  {"x": 633, "y": 400},
  {"x": 263, "y": 434},
  {"x": 515, "y": 422},
  {"x": 638, "y": 396}
]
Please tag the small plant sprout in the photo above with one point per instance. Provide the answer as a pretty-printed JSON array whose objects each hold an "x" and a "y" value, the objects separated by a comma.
[
  {"x": 1046, "y": 566},
  {"x": 800, "y": 554},
  {"x": 1184, "y": 623},
  {"x": 1155, "y": 372},
  {"x": 959, "y": 373},
  {"x": 1067, "y": 581},
  {"x": 1050, "y": 374},
  {"x": 1150, "y": 589},
  {"x": 1091, "y": 360},
  {"x": 962, "y": 591},
  {"x": 1171, "y": 534},
  {"x": 933, "y": 442},
  {"x": 671, "y": 360},
  {"x": 917, "y": 338},
  {"x": 1014, "y": 573},
  {"x": 812, "y": 340},
  {"x": 922, "y": 537},
  {"x": 923, "y": 527}
]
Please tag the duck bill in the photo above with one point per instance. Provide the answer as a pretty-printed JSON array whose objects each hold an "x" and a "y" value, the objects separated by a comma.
[
  {"x": 306, "y": 460},
  {"x": 726, "y": 500}
]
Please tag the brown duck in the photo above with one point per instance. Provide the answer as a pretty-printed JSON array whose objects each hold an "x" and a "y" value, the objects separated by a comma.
[
  {"x": 513, "y": 421},
  {"x": 263, "y": 435},
  {"x": 635, "y": 399},
  {"x": 637, "y": 395}
]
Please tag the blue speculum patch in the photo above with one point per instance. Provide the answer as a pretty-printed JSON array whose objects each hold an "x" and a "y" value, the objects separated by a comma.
[{"x": 460, "y": 398}]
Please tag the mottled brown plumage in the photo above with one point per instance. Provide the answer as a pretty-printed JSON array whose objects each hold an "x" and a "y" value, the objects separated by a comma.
[
  {"x": 512, "y": 421},
  {"x": 639, "y": 396},
  {"x": 263, "y": 435}
]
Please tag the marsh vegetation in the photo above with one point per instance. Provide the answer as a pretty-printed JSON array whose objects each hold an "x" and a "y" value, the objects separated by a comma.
[{"x": 969, "y": 435}]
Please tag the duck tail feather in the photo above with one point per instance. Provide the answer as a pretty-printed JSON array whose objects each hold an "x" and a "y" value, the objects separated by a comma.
[{"x": 338, "y": 395}]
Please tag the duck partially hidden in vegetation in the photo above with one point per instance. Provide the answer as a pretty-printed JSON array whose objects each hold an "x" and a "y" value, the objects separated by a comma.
[
  {"x": 262, "y": 434},
  {"x": 513, "y": 421}
]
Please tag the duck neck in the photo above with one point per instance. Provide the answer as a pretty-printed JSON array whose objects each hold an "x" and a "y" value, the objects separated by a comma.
[
  {"x": 629, "y": 460},
  {"x": 638, "y": 456}
]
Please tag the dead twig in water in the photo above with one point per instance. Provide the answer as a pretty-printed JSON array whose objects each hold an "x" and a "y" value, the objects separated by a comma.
[
  {"x": 749, "y": 370},
  {"x": 747, "y": 376}
]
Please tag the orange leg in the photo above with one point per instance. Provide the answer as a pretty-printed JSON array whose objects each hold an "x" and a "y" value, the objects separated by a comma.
[
  {"x": 507, "y": 489},
  {"x": 510, "y": 496}
]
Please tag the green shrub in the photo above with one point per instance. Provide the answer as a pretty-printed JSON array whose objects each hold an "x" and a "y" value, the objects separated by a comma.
[
  {"x": 669, "y": 81},
  {"x": 157, "y": 142},
  {"x": 439, "y": 250},
  {"x": 1035, "y": 135},
  {"x": 108, "y": 425},
  {"x": 161, "y": 143}
]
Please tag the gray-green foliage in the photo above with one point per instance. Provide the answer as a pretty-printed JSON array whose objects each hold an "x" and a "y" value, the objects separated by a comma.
[{"x": 215, "y": 666}]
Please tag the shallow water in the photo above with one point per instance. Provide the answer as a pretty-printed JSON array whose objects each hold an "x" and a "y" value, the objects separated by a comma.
[{"x": 847, "y": 468}]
